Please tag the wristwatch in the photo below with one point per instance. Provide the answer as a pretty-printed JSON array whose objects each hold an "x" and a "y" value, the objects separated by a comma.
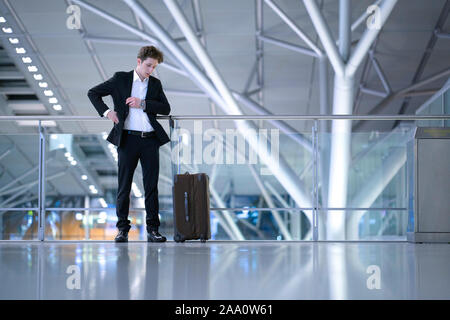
[{"x": 142, "y": 105}]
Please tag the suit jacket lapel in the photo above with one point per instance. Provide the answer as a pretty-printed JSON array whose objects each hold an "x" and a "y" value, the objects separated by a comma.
[
  {"x": 129, "y": 84},
  {"x": 149, "y": 87}
]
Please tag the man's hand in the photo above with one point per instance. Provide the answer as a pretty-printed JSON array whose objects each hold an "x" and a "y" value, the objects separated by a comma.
[
  {"x": 112, "y": 115},
  {"x": 133, "y": 102}
]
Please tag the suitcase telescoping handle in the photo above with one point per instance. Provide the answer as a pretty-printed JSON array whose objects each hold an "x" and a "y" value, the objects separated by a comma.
[{"x": 186, "y": 207}]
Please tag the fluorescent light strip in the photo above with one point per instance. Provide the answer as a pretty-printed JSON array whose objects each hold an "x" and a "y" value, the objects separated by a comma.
[{"x": 103, "y": 202}]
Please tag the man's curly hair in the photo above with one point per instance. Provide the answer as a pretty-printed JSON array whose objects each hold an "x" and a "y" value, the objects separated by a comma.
[{"x": 150, "y": 52}]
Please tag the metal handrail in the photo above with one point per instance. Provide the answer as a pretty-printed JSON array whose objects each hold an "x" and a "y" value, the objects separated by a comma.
[
  {"x": 224, "y": 209},
  {"x": 243, "y": 117}
]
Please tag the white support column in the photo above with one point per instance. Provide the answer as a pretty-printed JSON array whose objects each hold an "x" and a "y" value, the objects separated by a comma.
[
  {"x": 342, "y": 101},
  {"x": 341, "y": 133},
  {"x": 339, "y": 157}
]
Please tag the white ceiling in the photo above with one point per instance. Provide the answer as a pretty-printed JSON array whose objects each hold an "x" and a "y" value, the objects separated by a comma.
[{"x": 230, "y": 36}]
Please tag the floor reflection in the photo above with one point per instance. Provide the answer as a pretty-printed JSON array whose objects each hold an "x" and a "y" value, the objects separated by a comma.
[{"x": 224, "y": 270}]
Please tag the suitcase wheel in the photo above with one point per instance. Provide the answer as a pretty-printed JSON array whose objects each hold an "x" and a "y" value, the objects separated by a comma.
[{"x": 178, "y": 238}]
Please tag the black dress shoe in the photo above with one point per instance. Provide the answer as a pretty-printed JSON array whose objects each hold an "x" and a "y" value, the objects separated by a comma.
[
  {"x": 155, "y": 236},
  {"x": 122, "y": 237}
]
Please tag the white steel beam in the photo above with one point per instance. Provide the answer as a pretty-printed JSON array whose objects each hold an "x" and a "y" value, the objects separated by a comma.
[
  {"x": 402, "y": 93},
  {"x": 373, "y": 92},
  {"x": 257, "y": 107},
  {"x": 282, "y": 125},
  {"x": 360, "y": 20},
  {"x": 294, "y": 27},
  {"x": 345, "y": 34},
  {"x": 288, "y": 45},
  {"x": 369, "y": 36},
  {"x": 127, "y": 27},
  {"x": 380, "y": 73},
  {"x": 132, "y": 42},
  {"x": 324, "y": 33},
  {"x": 281, "y": 170}
]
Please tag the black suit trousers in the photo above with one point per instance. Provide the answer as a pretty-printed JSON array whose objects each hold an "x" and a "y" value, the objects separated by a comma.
[{"x": 132, "y": 149}]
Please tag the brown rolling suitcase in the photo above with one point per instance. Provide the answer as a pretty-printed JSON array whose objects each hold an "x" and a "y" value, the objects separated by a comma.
[{"x": 191, "y": 207}]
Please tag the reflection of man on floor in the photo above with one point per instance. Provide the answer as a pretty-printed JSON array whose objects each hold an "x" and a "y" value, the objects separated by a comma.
[{"x": 138, "y": 98}]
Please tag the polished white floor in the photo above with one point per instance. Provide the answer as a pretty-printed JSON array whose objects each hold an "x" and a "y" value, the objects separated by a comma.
[{"x": 224, "y": 270}]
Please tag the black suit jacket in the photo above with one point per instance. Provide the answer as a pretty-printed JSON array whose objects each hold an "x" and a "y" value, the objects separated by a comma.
[{"x": 119, "y": 87}]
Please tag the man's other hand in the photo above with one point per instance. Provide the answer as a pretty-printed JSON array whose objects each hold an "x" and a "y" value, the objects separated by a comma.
[
  {"x": 133, "y": 102},
  {"x": 112, "y": 115}
]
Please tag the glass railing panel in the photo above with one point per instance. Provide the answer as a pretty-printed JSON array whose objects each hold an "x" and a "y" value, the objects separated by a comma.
[
  {"x": 19, "y": 182},
  {"x": 84, "y": 167},
  {"x": 246, "y": 224},
  {"x": 386, "y": 225},
  {"x": 18, "y": 224},
  {"x": 260, "y": 224},
  {"x": 240, "y": 175},
  {"x": 438, "y": 104},
  {"x": 19, "y": 170},
  {"x": 99, "y": 224},
  {"x": 447, "y": 106},
  {"x": 288, "y": 169},
  {"x": 376, "y": 178}
]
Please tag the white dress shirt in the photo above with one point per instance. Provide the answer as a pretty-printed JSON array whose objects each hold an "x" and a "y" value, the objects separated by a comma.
[{"x": 137, "y": 119}]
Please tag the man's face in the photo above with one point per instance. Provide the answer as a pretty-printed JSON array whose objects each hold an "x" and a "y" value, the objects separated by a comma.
[{"x": 146, "y": 67}]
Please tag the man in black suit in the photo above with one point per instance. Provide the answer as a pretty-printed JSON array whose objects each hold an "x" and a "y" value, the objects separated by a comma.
[{"x": 138, "y": 98}]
